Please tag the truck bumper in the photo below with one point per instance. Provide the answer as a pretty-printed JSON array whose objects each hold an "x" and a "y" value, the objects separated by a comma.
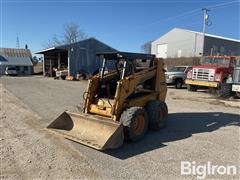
[
  {"x": 236, "y": 87},
  {"x": 201, "y": 83},
  {"x": 169, "y": 81}
]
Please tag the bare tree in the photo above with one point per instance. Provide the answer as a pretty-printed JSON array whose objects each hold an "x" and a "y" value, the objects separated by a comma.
[
  {"x": 54, "y": 41},
  {"x": 146, "y": 47},
  {"x": 72, "y": 33}
]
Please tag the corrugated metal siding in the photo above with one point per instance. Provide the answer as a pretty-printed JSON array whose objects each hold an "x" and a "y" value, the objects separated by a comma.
[
  {"x": 221, "y": 46},
  {"x": 190, "y": 43},
  {"x": 83, "y": 55},
  {"x": 11, "y": 52},
  {"x": 15, "y": 61},
  {"x": 16, "y": 57}
]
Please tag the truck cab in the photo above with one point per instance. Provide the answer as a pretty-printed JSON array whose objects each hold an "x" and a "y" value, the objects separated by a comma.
[
  {"x": 176, "y": 75},
  {"x": 213, "y": 73}
]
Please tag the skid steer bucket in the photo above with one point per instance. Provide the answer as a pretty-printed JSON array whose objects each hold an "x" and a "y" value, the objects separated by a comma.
[{"x": 96, "y": 132}]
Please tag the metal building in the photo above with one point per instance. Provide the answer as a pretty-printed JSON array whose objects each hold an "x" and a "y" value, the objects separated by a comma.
[
  {"x": 17, "y": 58},
  {"x": 185, "y": 43},
  {"x": 76, "y": 57}
]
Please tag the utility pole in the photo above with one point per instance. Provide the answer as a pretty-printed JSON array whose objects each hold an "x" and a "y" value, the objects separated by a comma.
[{"x": 205, "y": 23}]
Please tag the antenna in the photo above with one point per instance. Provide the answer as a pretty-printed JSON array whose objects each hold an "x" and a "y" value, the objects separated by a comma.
[{"x": 17, "y": 43}]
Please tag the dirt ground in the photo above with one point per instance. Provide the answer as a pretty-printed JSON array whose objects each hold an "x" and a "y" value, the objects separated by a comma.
[{"x": 200, "y": 128}]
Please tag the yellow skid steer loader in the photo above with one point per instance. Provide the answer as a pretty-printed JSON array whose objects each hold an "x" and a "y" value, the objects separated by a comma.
[{"x": 123, "y": 101}]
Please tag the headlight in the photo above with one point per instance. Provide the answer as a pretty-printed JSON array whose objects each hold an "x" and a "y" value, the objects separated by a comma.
[
  {"x": 211, "y": 78},
  {"x": 229, "y": 79},
  {"x": 218, "y": 77},
  {"x": 189, "y": 75},
  {"x": 171, "y": 76}
]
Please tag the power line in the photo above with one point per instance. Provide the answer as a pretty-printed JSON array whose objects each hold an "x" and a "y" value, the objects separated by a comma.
[
  {"x": 222, "y": 4},
  {"x": 182, "y": 15},
  {"x": 194, "y": 11},
  {"x": 190, "y": 24},
  {"x": 109, "y": 1}
]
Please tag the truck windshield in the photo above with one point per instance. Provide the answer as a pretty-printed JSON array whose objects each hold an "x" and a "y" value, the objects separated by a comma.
[
  {"x": 177, "y": 69},
  {"x": 219, "y": 61}
]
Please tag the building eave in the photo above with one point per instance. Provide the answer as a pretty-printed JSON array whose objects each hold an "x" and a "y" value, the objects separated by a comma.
[
  {"x": 210, "y": 35},
  {"x": 48, "y": 50}
]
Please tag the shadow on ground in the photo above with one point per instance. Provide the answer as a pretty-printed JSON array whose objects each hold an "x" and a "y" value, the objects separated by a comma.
[
  {"x": 179, "y": 126},
  {"x": 173, "y": 87}
]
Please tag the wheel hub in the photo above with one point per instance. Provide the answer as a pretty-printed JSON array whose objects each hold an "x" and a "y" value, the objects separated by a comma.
[{"x": 139, "y": 124}]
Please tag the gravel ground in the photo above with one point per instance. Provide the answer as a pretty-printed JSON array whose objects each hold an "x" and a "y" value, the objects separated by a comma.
[{"x": 200, "y": 128}]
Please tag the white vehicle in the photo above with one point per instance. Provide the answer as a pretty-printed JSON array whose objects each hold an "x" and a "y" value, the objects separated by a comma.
[
  {"x": 11, "y": 70},
  {"x": 236, "y": 78},
  {"x": 177, "y": 75},
  {"x": 62, "y": 74}
]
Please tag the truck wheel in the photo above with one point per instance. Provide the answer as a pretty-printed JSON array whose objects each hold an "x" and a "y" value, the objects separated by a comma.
[
  {"x": 192, "y": 88},
  {"x": 225, "y": 90},
  {"x": 135, "y": 123},
  {"x": 157, "y": 114},
  {"x": 237, "y": 94},
  {"x": 178, "y": 83},
  {"x": 63, "y": 77},
  {"x": 212, "y": 90}
]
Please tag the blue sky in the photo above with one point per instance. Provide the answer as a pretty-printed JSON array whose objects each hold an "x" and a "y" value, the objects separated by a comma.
[{"x": 125, "y": 25}]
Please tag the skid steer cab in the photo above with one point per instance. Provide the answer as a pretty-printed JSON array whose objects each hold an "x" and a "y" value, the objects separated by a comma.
[{"x": 123, "y": 101}]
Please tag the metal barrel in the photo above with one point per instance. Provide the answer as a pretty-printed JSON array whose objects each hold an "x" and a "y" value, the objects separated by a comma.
[{"x": 97, "y": 132}]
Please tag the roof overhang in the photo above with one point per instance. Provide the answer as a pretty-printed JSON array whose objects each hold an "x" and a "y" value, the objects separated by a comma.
[
  {"x": 213, "y": 36},
  {"x": 50, "y": 50},
  {"x": 124, "y": 55},
  {"x": 15, "y": 61}
]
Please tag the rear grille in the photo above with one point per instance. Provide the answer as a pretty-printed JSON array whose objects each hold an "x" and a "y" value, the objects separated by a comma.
[{"x": 203, "y": 74}]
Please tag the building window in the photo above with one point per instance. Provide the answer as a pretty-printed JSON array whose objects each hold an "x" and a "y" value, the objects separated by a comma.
[{"x": 25, "y": 68}]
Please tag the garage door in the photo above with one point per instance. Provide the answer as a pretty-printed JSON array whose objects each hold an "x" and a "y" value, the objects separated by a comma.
[{"x": 162, "y": 50}]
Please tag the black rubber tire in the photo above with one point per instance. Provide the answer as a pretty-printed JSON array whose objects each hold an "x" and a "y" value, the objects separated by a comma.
[
  {"x": 237, "y": 94},
  {"x": 225, "y": 90},
  {"x": 212, "y": 90},
  {"x": 63, "y": 77},
  {"x": 128, "y": 119},
  {"x": 157, "y": 114},
  {"x": 192, "y": 88},
  {"x": 178, "y": 83}
]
